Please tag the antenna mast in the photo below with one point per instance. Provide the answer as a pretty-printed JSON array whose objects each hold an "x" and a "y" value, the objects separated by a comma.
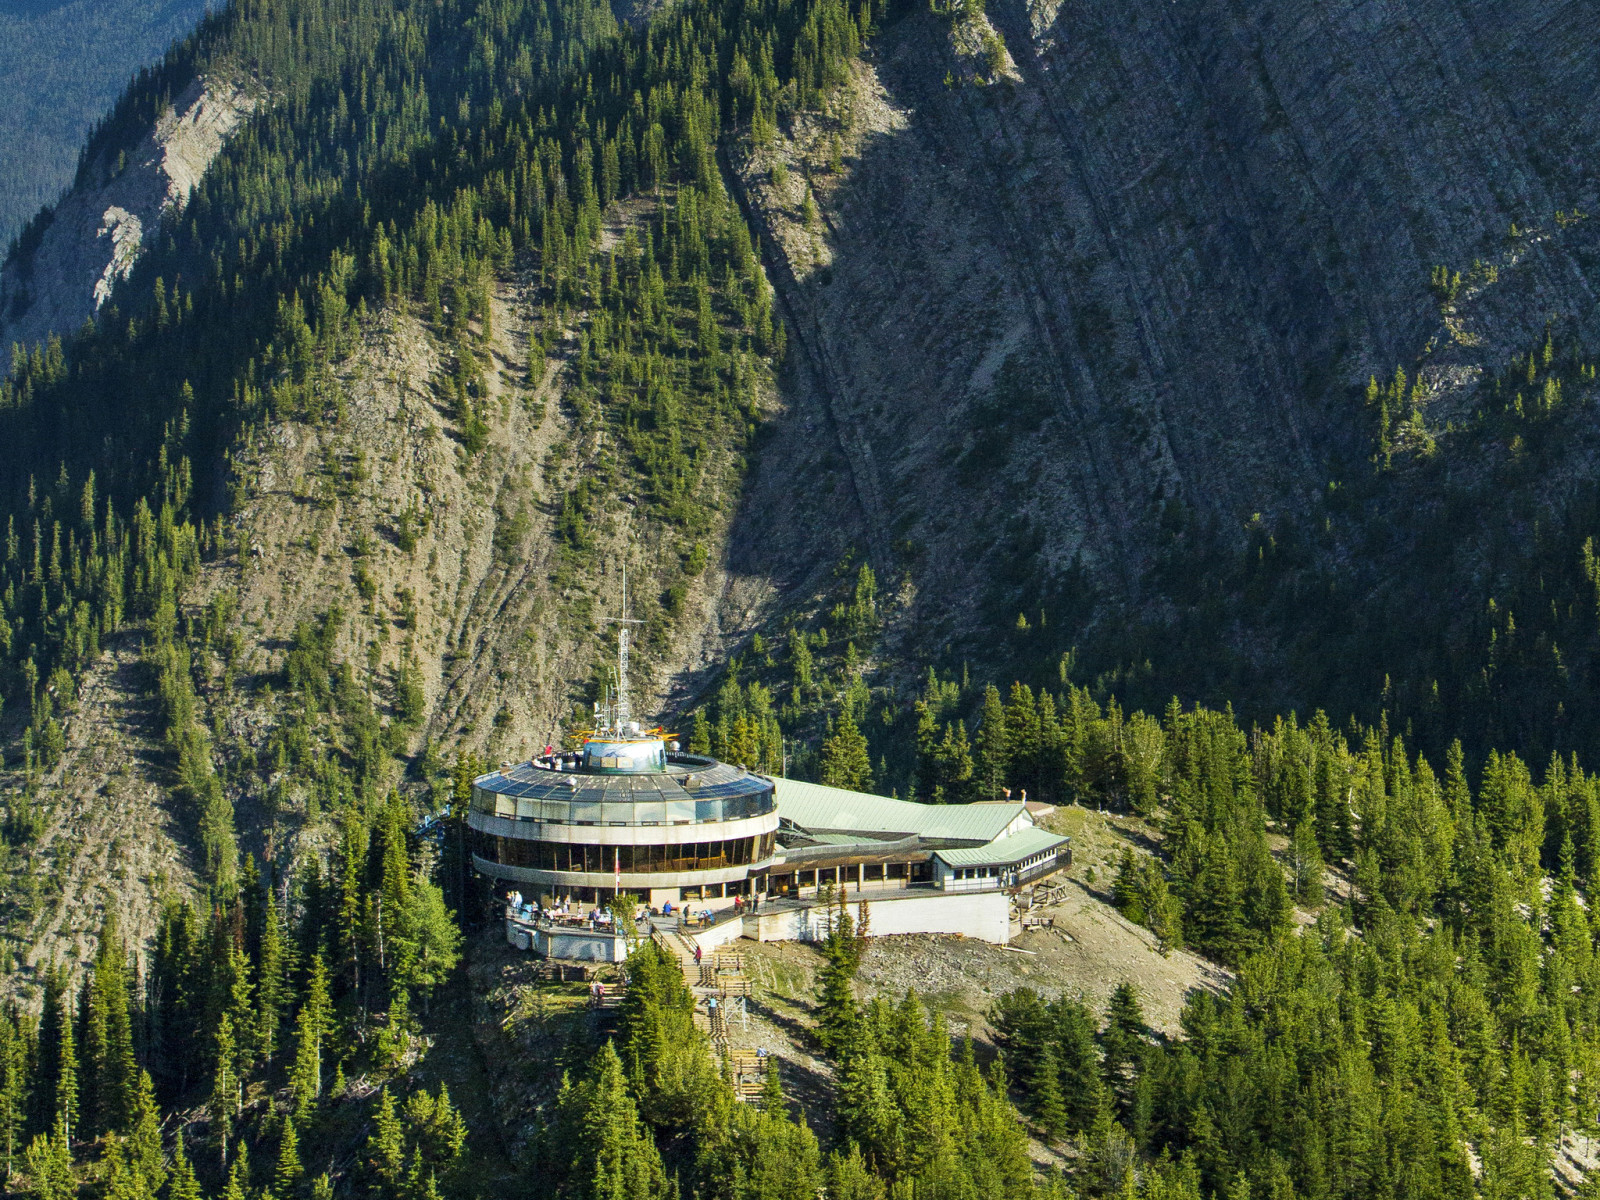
[{"x": 620, "y": 712}]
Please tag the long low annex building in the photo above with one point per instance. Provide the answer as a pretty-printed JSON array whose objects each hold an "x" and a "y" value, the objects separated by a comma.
[{"x": 831, "y": 836}]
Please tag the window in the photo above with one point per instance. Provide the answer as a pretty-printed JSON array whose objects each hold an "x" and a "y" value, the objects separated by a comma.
[{"x": 597, "y": 859}]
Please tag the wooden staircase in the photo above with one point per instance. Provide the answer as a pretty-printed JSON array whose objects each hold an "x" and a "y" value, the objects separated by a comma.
[{"x": 720, "y": 975}]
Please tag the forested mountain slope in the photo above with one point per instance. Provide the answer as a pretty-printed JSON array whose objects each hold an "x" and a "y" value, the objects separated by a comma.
[
  {"x": 1085, "y": 321},
  {"x": 1070, "y": 345},
  {"x": 394, "y": 403},
  {"x": 1244, "y": 353}
]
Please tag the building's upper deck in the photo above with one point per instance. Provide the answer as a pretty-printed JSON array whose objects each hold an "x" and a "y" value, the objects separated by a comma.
[{"x": 562, "y": 789}]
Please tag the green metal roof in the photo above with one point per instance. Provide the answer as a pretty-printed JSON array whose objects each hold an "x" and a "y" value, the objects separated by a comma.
[
  {"x": 1025, "y": 843},
  {"x": 818, "y": 809},
  {"x": 842, "y": 839}
]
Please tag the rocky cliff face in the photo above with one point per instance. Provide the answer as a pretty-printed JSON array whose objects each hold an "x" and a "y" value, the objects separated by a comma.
[
  {"x": 1086, "y": 275},
  {"x": 98, "y": 230}
]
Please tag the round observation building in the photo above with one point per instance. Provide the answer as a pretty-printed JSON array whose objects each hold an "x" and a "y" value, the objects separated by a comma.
[{"x": 626, "y": 813}]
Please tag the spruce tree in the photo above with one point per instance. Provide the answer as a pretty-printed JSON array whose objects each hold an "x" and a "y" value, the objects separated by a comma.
[
  {"x": 386, "y": 1149},
  {"x": 849, "y": 1178},
  {"x": 838, "y": 1012},
  {"x": 1079, "y": 1063},
  {"x": 432, "y": 945},
  {"x": 1163, "y": 913},
  {"x": 612, "y": 1157},
  {"x": 1128, "y": 888},
  {"x": 927, "y": 774},
  {"x": 238, "y": 1184},
  {"x": 1124, "y": 1037},
  {"x": 1305, "y": 864},
  {"x": 305, "y": 1077},
  {"x": 108, "y": 1051},
  {"x": 271, "y": 982},
  {"x": 144, "y": 1135},
  {"x": 224, "y": 1086},
  {"x": 13, "y": 1093},
  {"x": 1049, "y": 1107},
  {"x": 955, "y": 766}
]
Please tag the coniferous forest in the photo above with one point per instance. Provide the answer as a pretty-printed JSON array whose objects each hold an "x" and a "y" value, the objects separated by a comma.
[{"x": 1398, "y": 883}]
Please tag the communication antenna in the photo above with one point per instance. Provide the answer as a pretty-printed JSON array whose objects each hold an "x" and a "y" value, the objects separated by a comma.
[{"x": 619, "y": 710}]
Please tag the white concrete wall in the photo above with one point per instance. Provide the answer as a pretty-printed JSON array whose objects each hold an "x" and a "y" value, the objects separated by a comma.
[
  {"x": 986, "y": 916},
  {"x": 718, "y": 935},
  {"x": 1024, "y": 820},
  {"x": 990, "y": 883}
]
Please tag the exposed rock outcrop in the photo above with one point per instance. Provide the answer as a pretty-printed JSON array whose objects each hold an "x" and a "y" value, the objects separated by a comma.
[
  {"x": 98, "y": 230},
  {"x": 1134, "y": 266}
]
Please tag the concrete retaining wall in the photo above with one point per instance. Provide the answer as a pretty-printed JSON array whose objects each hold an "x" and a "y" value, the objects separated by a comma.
[
  {"x": 577, "y": 944},
  {"x": 985, "y": 915}
]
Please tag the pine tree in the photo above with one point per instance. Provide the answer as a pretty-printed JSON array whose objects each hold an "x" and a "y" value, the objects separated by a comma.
[
  {"x": 49, "y": 1165},
  {"x": 288, "y": 1173},
  {"x": 991, "y": 751},
  {"x": 224, "y": 1086},
  {"x": 305, "y": 1078},
  {"x": 846, "y": 762},
  {"x": 182, "y": 1184}
]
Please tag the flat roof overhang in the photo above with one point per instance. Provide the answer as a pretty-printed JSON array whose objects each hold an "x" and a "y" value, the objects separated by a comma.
[{"x": 631, "y": 881}]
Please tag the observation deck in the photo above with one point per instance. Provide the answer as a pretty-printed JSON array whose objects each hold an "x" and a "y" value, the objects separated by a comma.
[{"x": 625, "y": 814}]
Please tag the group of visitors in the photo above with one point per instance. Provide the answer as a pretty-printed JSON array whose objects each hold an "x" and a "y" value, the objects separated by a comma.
[{"x": 563, "y": 912}]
